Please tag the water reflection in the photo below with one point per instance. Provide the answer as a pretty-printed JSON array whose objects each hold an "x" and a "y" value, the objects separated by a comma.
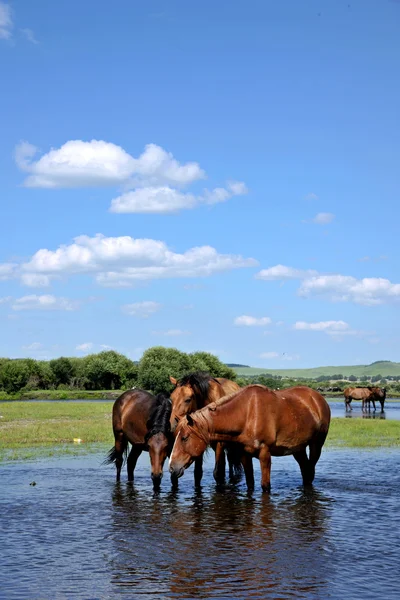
[
  {"x": 222, "y": 541},
  {"x": 78, "y": 534},
  {"x": 366, "y": 415}
]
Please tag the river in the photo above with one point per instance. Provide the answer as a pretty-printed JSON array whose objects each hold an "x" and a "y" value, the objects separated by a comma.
[{"x": 76, "y": 534}]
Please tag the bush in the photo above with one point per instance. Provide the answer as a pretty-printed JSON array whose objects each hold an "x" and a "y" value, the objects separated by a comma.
[
  {"x": 14, "y": 375},
  {"x": 62, "y": 369},
  {"x": 158, "y": 364},
  {"x": 109, "y": 371}
]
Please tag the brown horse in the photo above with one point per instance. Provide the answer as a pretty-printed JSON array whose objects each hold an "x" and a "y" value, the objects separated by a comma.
[
  {"x": 366, "y": 394},
  {"x": 265, "y": 423},
  {"x": 191, "y": 393},
  {"x": 143, "y": 420}
]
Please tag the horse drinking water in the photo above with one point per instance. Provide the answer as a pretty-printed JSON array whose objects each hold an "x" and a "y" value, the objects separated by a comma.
[
  {"x": 143, "y": 420},
  {"x": 191, "y": 393},
  {"x": 265, "y": 423}
]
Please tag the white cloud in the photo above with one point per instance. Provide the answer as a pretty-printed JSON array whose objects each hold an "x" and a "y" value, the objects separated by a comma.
[
  {"x": 29, "y": 35},
  {"x": 45, "y": 302},
  {"x": 86, "y": 347},
  {"x": 325, "y": 326},
  {"x": 34, "y": 346},
  {"x": 282, "y": 273},
  {"x": 99, "y": 163},
  {"x": 323, "y": 218},
  {"x": 290, "y": 356},
  {"x": 123, "y": 261},
  {"x": 268, "y": 355},
  {"x": 142, "y": 309},
  {"x": 372, "y": 258},
  {"x": 7, "y": 271},
  {"x": 368, "y": 291},
  {"x": 35, "y": 280},
  {"x": 172, "y": 332},
  {"x": 248, "y": 321},
  {"x": 166, "y": 200},
  {"x": 105, "y": 347},
  {"x": 6, "y": 22},
  {"x": 5, "y": 299},
  {"x": 311, "y": 196}
]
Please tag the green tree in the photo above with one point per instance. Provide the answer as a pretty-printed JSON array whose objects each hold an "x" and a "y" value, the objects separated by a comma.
[
  {"x": 109, "y": 370},
  {"x": 14, "y": 375},
  {"x": 204, "y": 361},
  {"x": 63, "y": 370},
  {"x": 352, "y": 378},
  {"x": 158, "y": 364}
]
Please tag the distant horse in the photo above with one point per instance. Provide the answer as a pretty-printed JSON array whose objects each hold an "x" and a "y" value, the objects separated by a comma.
[
  {"x": 265, "y": 423},
  {"x": 191, "y": 393},
  {"x": 366, "y": 394},
  {"x": 143, "y": 420}
]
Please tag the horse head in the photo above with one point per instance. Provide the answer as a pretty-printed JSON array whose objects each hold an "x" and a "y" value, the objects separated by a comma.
[
  {"x": 189, "y": 444},
  {"x": 190, "y": 394},
  {"x": 159, "y": 438}
]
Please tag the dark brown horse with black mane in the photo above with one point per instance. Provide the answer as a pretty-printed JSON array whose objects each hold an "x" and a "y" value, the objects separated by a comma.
[
  {"x": 193, "y": 392},
  {"x": 265, "y": 423},
  {"x": 143, "y": 420}
]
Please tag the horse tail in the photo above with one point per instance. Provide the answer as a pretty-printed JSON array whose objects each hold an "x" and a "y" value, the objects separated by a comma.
[
  {"x": 234, "y": 454},
  {"x": 113, "y": 454}
]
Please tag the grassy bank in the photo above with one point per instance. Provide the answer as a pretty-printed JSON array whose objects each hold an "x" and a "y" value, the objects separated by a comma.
[
  {"x": 62, "y": 395},
  {"x": 30, "y": 430}
]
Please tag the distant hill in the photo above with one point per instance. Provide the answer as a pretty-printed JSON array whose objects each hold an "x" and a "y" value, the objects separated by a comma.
[
  {"x": 236, "y": 365},
  {"x": 380, "y": 367}
]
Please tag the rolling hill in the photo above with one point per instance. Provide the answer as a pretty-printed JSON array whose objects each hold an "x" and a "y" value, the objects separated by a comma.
[{"x": 381, "y": 367}]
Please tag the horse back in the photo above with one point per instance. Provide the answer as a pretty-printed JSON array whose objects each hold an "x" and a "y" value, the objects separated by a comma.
[
  {"x": 131, "y": 412},
  {"x": 293, "y": 417}
]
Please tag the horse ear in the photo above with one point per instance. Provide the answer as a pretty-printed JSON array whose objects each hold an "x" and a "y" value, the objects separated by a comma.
[
  {"x": 190, "y": 420},
  {"x": 173, "y": 380}
]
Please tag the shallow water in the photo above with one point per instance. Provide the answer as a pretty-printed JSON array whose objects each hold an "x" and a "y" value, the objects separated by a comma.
[
  {"x": 78, "y": 534},
  {"x": 391, "y": 412}
]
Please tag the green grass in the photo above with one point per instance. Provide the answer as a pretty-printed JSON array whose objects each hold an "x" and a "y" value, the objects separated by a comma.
[
  {"x": 35, "y": 430},
  {"x": 383, "y": 368},
  {"x": 364, "y": 433},
  {"x": 50, "y": 428},
  {"x": 62, "y": 395}
]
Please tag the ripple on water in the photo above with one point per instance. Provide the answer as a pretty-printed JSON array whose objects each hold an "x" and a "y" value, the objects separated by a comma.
[{"x": 78, "y": 534}]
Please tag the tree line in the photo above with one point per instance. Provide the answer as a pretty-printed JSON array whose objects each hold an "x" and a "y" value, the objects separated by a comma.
[
  {"x": 107, "y": 370},
  {"x": 110, "y": 370}
]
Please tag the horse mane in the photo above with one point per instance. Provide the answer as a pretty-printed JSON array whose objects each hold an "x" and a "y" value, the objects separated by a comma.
[
  {"x": 159, "y": 419},
  {"x": 199, "y": 381}
]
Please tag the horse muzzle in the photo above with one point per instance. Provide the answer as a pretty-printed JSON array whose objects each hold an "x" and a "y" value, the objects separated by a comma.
[
  {"x": 156, "y": 480},
  {"x": 176, "y": 472}
]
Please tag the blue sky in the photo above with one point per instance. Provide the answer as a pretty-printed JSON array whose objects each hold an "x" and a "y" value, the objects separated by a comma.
[{"x": 205, "y": 175}]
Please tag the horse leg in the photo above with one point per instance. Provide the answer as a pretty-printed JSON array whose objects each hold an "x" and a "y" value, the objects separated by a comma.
[
  {"x": 219, "y": 469},
  {"x": 247, "y": 462},
  {"x": 132, "y": 460},
  {"x": 315, "y": 453},
  {"x": 120, "y": 447},
  {"x": 373, "y": 404},
  {"x": 265, "y": 463},
  {"x": 304, "y": 464},
  {"x": 198, "y": 470}
]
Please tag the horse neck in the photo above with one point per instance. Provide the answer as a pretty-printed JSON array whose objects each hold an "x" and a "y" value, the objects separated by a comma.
[
  {"x": 215, "y": 392},
  {"x": 226, "y": 422}
]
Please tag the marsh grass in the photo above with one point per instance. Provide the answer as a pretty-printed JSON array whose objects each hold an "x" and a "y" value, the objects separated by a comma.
[{"x": 30, "y": 430}]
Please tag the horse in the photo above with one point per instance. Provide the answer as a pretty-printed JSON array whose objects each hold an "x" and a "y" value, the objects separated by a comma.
[
  {"x": 366, "y": 394},
  {"x": 265, "y": 423},
  {"x": 142, "y": 419},
  {"x": 192, "y": 392}
]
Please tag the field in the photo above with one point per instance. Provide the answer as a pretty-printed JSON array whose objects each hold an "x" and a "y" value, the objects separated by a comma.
[
  {"x": 28, "y": 430},
  {"x": 383, "y": 367}
]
